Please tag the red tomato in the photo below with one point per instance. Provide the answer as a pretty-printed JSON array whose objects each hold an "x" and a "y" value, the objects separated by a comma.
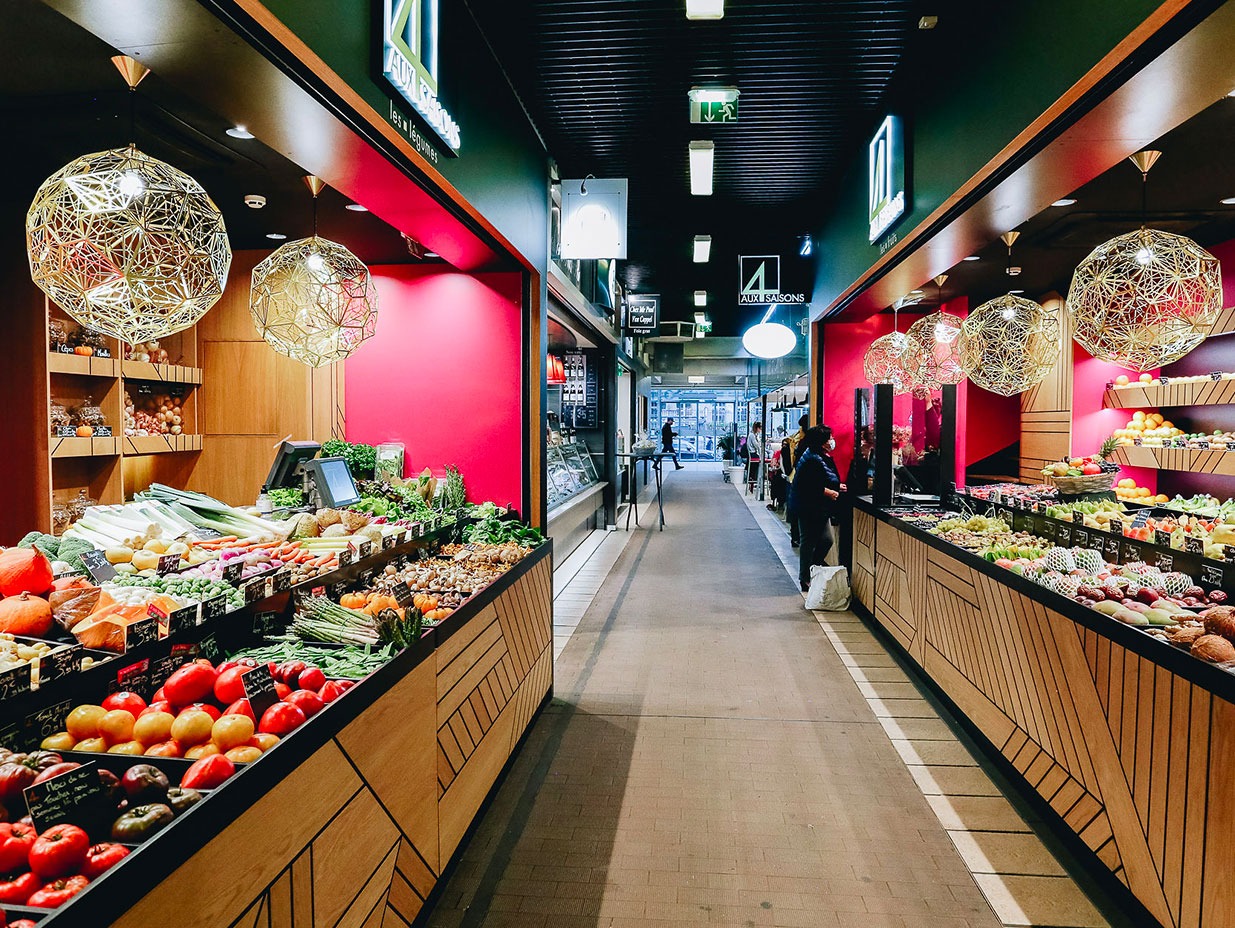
[
  {"x": 54, "y": 771},
  {"x": 158, "y": 705},
  {"x": 191, "y": 683},
  {"x": 59, "y": 851},
  {"x": 16, "y": 840},
  {"x": 101, "y": 858},
  {"x": 130, "y": 702},
  {"x": 208, "y": 772},
  {"x": 227, "y": 665},
  {"x": 312, "y": 679},
  {"x": 165, "y": 749},
  {"x": 208, "y": 707},
  {"x": 159, "y": 696},
  {"x": 281, "y": 718},
  {"x": 58, "y": 892},
  {"x": 332, "y": 691},
  {"x": 16, "y": 890},
  {"x": 229, "y": 687},
  {"x": 241, "y": 707},
  {"x": 290, "y": 671},
  {"x": 306, "y": 701},
  {"x": 282, "y": 690}
]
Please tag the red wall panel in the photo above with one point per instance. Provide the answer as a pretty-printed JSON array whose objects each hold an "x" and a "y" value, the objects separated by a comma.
[{"x": 443, "y": 375}]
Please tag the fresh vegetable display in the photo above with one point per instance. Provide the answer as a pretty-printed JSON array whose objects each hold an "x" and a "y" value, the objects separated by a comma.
[
  {"x": 494, "y": 530},
  {"x": 361, "y": 458},
  {"x": 286, "y": 497},
  {"x": 1149, "y": 428}
]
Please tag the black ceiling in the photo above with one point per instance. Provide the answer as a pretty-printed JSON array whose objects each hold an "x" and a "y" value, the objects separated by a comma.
[
  {"x": 606, "y": 83},
  {"x": 1186, "y": 187},
  {"x": 62, "y": 97}
]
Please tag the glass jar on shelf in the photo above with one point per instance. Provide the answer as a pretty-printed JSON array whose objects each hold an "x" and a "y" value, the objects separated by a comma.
[
  {"x": 57, "y": 335},
  {"x": 59, "y": 416},
  {"x": 61, "y": 517},
  {"x": 89, "y": 338},
  {"x": 89, "y": 419},
  {"x": 81, "y": 502}
]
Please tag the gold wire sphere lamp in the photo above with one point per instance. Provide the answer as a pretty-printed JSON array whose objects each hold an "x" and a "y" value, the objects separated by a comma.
[
  {"x": 933, "y": 353},
  {"x": 1145, "y": 298},
  {"x": 125, "y": 243},
  {"x": 1009, "y": 344},
  {"x": 884, "y": 361},
  {"x": 312, "y": 299}
]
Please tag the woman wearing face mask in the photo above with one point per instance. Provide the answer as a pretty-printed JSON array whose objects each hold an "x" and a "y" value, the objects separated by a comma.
[{"x": 814, "y": 498}]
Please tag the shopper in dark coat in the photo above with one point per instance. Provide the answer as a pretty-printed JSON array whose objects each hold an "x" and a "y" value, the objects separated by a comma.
[
  {"x": 666, "y": 442},
  {"x": 813, "y": 500}
]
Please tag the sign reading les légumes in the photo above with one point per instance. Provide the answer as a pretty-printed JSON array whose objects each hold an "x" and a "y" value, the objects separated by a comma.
[{"x": 885, "y": 176}]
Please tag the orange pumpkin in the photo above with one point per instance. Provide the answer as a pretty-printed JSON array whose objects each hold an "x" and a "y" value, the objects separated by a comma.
[
  {"x": 353, "y": 600},
  {"x": 72, "y": 583},
  {"x": 27, "y": 615},
  {"x": 24, "y": 570}
]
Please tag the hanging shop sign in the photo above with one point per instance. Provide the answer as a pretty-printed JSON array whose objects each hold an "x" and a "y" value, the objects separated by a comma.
[
  {"x": 594, "y": 218},
  {"x": 759, "y": 282},
  {"x": 410, "y": 62},
  {"x": 885, "y": 172},
  {"x": 643, "y": 313}
]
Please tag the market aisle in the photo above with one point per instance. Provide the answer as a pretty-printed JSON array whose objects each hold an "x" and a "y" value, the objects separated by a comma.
[{"x": 707, "y": 760}]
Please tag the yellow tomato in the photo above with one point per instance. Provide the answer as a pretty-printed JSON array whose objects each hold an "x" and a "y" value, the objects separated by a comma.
[
  {"x": 154, "y": 727},
  {"x": 117, "y": 726},
  {"x": 263, "y": 741},
  {"x": 192, "y": 727},
  {"x": 91, "y": 745},
  {"x": 244, "y": 755},
  {"x": 127, "y": 747},
  {"x": 232, "y": 731},
  {"x": 83, "y": 722},
  {"x": 1146, "y": 378}
]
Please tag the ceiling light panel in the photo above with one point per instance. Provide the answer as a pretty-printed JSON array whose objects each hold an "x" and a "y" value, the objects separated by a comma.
[
  {"x": 705, "y": 9},
  {"x": 702, "y": 159},
  {"x": 703, "y": 249}
]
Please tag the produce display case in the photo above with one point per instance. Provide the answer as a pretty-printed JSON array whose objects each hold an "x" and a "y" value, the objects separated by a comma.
[
  {"x": 1118, "y": 731},
  {"x": 406, "y": 757},
  {"x": 570, "y": 471}
]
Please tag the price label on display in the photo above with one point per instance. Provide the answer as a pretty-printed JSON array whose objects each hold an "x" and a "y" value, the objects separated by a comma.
[
  {"x": 259, "y": 689},
  {"x": 404, "y": 594},
  {"x": 1115, "y": 526},
  {"x": 182, "y": 620},
  {"x": 99, "y": 568},
  {"x": 1080, "y": 537},
  {"x": 1138, "y": 441},
  {"x": 141, "y": 632},
  {"x": 1111, "y": 549},
  {"x": 76, "y": 797},
  {"x": 1065, "y": 536},
  {"x": 1165, "y": 561},
  {"x": 233, "y": 571},
  {"x": 58, "y": 663},
  {"x": 255, "y": 591},
  {"x": 1202, "y": 444},
  {"x": 1132, "y": 551},
  {"x": 168, "y": 563},
  {"x": 48, "y": 720},
  {"x": 264, "y": 624},
  {"x": 281, "y": 582},
  {"x": 389, "y": 540},
  {"x": 1078, "y": 516},
  {"x": 209, "y": 649},
  {"x": 1141, "y": 519},
  {"x": 14, "y": 681},
  {"x": 345, "y": 557},
  {"x": 1212, "y": 574},
  {"x": 214, "y": 608},
  {"x": 1215, "y": 375},
  {"x": 135, "y": 678},
  {"x": 1194, "y": 545},
  {"x": 1162, "y": 539}
]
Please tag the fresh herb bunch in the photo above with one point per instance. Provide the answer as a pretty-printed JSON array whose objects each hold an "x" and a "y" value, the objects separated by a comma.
[
  {"x": 286, "y": 497},
  {"x": 454, "y": 496},
  {"x": 361, "y": 458},
  {"x": 393, "y": 502},
  {"x": 496, "y": 531}
]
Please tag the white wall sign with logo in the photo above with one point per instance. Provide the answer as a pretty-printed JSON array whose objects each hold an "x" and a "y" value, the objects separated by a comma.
[
  {"x": 410, "y": 61},
  {"x": 594, "y": 218},
  {"x": 759, "y": 282},
  {"x": 885, "y": 177},
  {"x": 643, "y": 313}
]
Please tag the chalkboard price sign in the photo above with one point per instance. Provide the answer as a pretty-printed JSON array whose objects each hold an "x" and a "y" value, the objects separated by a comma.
[
  {"x": 1212, "y": 574},
  {"x": 182, "y": 620},
  {"x": 214, "y": 608},
  {"x": 1165, "y": 561},
  {"x": 76, "y": 797},
  {"x": 141, "y": 632},
  {"x": 14, "y": 681},
  {"x": 98, "y": 566},
  {"x": 1194, "y": 545},
  {"x": 259, "y": 690},
  {"x": 1111, "y": 548},
  {"x": 233, "y": 571},
  {"x": 57, "y": 663}
]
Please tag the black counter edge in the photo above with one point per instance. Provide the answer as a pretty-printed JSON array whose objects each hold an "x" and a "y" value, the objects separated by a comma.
[
  {"x": 1213, "y": 679},
  {"x": 109, "y": 897}
]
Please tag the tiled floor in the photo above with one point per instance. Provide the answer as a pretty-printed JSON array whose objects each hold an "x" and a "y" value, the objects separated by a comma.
[
  {"x": 708, "y": 760},
  {"x": 1019, "y": 876}
]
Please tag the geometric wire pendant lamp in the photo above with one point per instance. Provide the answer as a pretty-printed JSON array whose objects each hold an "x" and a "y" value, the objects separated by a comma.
[
  {"x": 884, "y": 361},
  {"x": 1145, "y": 298},
  {"x": 126, "y": 244},
  {"x": 1009, "y": 344},
  {"x": 933, "y": 356},
  {"x": 312, "y": 299}
]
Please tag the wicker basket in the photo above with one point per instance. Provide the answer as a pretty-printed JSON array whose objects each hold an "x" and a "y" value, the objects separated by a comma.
[{"x": 1090, "y": 483}]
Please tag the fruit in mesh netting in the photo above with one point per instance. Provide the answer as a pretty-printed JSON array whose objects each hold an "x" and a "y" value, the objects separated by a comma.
[
  {"x": 1060, "y": 559},
  {"x": 1088, "y": 560},
  {"x": 1069, "y": 586},
  {"x": 1176, "y": 583},
  {"x": 1050, "y": 580}
]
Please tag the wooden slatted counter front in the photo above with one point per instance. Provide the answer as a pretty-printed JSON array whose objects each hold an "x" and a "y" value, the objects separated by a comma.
[
  {"x": 351, "y": 821},
  {"x": 1130, "y": 741}
]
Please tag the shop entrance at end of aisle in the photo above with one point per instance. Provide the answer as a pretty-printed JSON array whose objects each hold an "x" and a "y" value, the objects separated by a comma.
[{"x": 708, "y": 423}]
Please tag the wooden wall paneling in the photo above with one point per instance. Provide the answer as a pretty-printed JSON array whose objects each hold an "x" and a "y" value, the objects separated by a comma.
[
  {"x": 1046, "y": 409},
  {"x": 863, "y": 579},
  {"x": 1224, "y": 323}
]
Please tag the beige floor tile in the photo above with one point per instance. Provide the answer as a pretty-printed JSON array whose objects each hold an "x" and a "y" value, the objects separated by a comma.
[
  {"x": 1039, "y": 900},
  {"x": 936, "y": 753},
  {"x": 917, "y": 729},
  {"x": 903, "y": 708},
  {"x": 953, "y": 781},
  {"x": 1004, "y": 853},
  {"x": 977, "y": 813}
]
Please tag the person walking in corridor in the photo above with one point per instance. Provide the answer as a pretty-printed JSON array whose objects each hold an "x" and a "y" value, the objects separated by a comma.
[
  {"x": 813, "y": 500},
  {"x": 666, "y": 442}
]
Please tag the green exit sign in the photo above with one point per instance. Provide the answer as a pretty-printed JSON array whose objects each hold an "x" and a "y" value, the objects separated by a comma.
[{"x": 714, "y": 111}]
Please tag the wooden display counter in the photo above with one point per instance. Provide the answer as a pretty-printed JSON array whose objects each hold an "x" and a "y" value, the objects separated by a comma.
[
  {"x": 1128, "y": 740},
  {"x": 351, "y": 822}
]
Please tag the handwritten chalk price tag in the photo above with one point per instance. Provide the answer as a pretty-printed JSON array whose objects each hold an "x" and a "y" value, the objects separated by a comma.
[
  {"x": 233, "y": 571},
  {"x": 281, "y": 582},
  {"x": 1194, "y": 545},
  {"x": 58, "y": 663},
  {"x": 255, "y": 590},
  {"x": 1212, "y": 574},
  {"x": 1165, "y": 561},
  {"x": 1111, "y": 548},
  {"x": 214, "y": 608},
  {"x": 1078, "y": 516},
  {"x": 345, "y": 557},
  {"x": 168, "y": 563},
  {"x": 97, "y": 565},
  {"x": 182, "y": 620},
  {"x": 1161, "y": 538},
  {"x": 1065, "y": 536},
  {"x": 264, "y": 623},
  {"x": 1080, "y": 537},
  {"x": 141, "y": 632},
  {"x": 404, "y": 594},
  {"x": 76, "y": 797},
  {"x": 389, "y": 541},
  {"x": 259, "y": 690},
  {"x": 15, "y": 681}
]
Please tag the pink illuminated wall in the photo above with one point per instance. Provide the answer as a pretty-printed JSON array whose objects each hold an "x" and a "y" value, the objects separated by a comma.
[
  {"x": 1091, "y": 423},
  {"x": 443, "y": 375}
]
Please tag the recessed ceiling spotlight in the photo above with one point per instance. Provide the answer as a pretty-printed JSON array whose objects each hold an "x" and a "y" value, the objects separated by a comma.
[
  {"x": 972, "y": 258},
  {"x": 1016, "y": 291},
  {"x": 705, "y": 9},
  {"x": 357, "y": 208},
  {"x": 928, "y": 22},
  {"x": 239, "y": 132},
  {"x": 1227, "y": 201},
  {"x": 432, "y": 254},
  {"x": 277, "y": 236},
  {"x": 254, "y": 200},
  {"x": 1065, "y": 201}
]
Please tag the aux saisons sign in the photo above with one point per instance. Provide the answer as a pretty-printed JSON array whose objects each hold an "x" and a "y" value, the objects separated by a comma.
[{"x": 410, "y": 61}]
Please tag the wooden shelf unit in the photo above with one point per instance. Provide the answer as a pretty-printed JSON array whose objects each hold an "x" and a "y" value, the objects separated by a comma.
[
  {"x": 1220, "y": 463},
  {"x": 1192, "y": 393}
]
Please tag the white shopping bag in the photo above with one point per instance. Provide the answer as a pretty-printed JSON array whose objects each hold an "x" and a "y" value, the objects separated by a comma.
[{"x": 829, "y": 589}]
